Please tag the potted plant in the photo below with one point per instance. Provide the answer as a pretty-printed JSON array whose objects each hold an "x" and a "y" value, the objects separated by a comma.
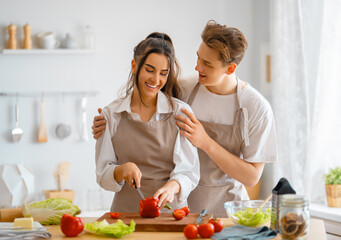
[{"x": 333, "y": 187}]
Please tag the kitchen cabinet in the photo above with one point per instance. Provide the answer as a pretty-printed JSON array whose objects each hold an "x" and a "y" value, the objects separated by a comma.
[
  {"x": 46, "y": 51},
  {"x": 317, "y": 232}
]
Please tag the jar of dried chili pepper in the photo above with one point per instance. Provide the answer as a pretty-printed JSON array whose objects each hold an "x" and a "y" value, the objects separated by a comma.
[{"x": 294, "y": 217}]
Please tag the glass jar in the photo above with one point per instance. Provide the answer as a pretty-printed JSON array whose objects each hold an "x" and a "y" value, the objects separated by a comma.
[{"x": 294, "y": 217}]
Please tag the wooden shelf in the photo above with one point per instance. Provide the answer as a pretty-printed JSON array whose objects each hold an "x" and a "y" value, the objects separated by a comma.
[{"x": 46, "y": 51}]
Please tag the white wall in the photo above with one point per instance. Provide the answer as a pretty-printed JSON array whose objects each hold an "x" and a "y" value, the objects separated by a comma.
[{"x": 119, "y": 26}]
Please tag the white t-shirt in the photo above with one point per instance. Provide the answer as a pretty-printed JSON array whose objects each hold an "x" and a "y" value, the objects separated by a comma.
[{"x": 211, "y": 107}]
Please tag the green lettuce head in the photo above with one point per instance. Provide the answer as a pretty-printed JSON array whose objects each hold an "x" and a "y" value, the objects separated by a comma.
[{"x": 50, "y": 211}]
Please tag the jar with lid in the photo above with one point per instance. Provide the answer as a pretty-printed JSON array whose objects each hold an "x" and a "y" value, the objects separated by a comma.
[{"x": 294, "y": 217}]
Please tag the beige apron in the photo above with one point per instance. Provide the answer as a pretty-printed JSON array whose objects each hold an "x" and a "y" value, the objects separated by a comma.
[
  {"x": 216, "y": 187},
  {"x": 150, "y": 146}
]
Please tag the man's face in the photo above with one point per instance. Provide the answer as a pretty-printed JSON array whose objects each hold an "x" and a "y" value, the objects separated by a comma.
[{"x": 210, "y": 68}]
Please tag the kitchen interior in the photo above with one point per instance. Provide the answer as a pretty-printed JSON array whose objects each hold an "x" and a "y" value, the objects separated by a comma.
[{"x": 80, "y": 59}]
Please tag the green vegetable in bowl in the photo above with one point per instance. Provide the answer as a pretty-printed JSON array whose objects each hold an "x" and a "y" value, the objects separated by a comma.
[
  {"x": 250, "y": 218},
  {"x": 50, "y": 211},
  {"x": 116, "y": 230}
]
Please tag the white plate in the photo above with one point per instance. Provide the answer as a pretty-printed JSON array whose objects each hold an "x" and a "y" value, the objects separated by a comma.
[{"x": 8, "y": 226}]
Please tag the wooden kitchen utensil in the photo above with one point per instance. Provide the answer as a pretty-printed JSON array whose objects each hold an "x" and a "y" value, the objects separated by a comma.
[
  {"x": 164, "y": 223},
  {"x": 64, "y": 169},
  {"x": 27, "y": 39},
  {"x": 263, "y": 203},
  {"x": 42, "y": 134},
  {"x": 12, "y": 41},
  {"x": 9, "y": 214}
]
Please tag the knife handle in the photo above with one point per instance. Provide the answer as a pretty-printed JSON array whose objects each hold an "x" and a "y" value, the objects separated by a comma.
[{"x": 134, "y": 183}]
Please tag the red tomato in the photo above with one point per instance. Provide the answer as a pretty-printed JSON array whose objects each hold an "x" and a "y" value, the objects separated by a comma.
[
  {"x": 71, "y": 226},
  {"x": 206, "y": 230},
  {"x": 115, "y": 215},
  {"x": 186, "y": 209},
  {"x": 191, "y": 231},
  {"x": 217, "y": 223},
  {"x": 179, "y": 214}
]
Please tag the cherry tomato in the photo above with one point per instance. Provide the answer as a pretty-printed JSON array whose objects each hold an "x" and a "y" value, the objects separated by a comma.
[
  {"x": 186, "y": 209},
  {"x": 179, "y": 214},
  {"x": 115, "y": 215},
  {"x": 191, "y": 231},
  {"x": 206, "y": 230},
  {"x": 217, "y": 223}
]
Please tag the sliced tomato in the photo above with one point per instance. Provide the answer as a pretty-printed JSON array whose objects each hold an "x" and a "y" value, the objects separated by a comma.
[
  {"x": 115, "y": 215},
  {"x": 179, "y": 214},
  {"x": 186, "y": 209}
]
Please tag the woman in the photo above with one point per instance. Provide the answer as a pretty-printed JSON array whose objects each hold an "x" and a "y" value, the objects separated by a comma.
[
  {"x": 233, "y": 127},
  {"x": 141, "y": 142}
]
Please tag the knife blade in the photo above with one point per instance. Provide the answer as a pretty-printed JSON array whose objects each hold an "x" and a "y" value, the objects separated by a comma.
[
  {"x": 202, "y": 214},
  {"x": 139, "y": 191}
]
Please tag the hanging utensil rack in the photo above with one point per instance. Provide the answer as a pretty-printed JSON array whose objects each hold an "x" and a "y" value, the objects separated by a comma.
[{"x": 49, "y": 94}]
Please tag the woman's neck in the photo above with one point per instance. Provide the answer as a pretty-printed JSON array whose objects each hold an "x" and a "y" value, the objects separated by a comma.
[{"x": 145, "y": 107}]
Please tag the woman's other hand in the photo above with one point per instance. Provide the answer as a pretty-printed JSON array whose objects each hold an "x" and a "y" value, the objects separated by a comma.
[
  {"x": 98, "y": 125},
  {"x": 129, "y": 172},
  {"x": 166, "y": 192},
  {"x": 192, "y": 129}
]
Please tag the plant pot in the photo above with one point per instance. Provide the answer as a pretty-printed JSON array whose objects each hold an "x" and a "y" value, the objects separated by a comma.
[
  {"x": 333, "y": 192},
  {"x": 68, "y": 194}
]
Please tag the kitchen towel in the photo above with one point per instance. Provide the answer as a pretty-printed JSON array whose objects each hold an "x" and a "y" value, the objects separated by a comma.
[
  {"x": 27, "y": 235},
  {"x": 238, "y": 232}
]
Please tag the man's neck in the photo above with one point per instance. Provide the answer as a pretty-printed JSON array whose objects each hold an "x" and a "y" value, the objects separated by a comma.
[{"x": 225, "y": 87}]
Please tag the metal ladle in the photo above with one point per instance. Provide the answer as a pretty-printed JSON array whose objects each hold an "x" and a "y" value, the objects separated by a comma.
[
  {"x": 63, "y": 130},
  {"x": 17, "y": 132}
]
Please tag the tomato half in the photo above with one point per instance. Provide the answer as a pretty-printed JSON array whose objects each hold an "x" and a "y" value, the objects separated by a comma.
[
  {"x": 179, "y": 214},
  {"x": 186, "y": 209},
  {"x": 114, "y": 215}
]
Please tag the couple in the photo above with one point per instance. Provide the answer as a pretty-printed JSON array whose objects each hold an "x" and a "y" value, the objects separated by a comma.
[{"x": 154, "y": 139}]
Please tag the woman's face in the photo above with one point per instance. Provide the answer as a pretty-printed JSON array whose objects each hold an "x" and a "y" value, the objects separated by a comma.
[{"x": 153, "y": 74}]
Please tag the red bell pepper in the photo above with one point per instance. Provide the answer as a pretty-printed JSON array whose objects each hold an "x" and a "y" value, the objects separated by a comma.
[
  {"x": 149, "y": 208},
  {"x": 71, "y": 226}
]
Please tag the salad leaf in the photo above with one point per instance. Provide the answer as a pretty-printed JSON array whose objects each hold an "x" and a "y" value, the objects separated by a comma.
[
  {"x": 117, "y": 230},
  {"x": 50, "y": 211},
  {"x": 251, "y": 219}
]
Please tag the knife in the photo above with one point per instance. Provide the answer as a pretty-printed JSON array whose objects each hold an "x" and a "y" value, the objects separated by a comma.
[
  {"x": 139, "y": 191},
  {"x": 202, "y": 214}
]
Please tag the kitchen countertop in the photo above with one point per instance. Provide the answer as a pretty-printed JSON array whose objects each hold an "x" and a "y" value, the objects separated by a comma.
[{"x": 317, "y": 232}]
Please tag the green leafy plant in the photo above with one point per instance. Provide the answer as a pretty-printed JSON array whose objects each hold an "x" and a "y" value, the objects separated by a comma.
[{"x": 333, "y": 176}]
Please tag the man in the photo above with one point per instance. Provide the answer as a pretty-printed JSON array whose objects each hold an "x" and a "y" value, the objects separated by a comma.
[{"x": 233, "y": 126}]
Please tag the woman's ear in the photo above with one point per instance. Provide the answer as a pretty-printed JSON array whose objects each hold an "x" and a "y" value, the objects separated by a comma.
[
  {"x": 133, "y": 66},
  {"x": 231, "y": 68}
]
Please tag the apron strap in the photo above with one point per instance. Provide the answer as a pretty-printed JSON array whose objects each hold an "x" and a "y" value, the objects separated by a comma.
[
  {"x": 243, "y": 116},
  {"x": 193, "y": 94},
  {"x": 244, "y": 125}
]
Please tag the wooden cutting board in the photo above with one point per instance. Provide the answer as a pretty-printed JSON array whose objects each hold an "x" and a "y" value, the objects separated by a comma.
[{"x": 164, "y": 223}]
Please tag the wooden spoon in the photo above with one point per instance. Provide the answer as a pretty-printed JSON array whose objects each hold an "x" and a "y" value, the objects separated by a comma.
[
  {"x": 263, "y": 203},
  {"x": 42, "y": 134}
]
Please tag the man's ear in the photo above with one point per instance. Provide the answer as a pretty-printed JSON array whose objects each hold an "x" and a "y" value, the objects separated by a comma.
[
  {"x": 231, "y": 68},
  {"x": 133, "y": 66}
]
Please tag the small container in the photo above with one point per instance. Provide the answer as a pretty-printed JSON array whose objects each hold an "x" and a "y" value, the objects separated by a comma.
[{"x": 294, "y": 217}]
